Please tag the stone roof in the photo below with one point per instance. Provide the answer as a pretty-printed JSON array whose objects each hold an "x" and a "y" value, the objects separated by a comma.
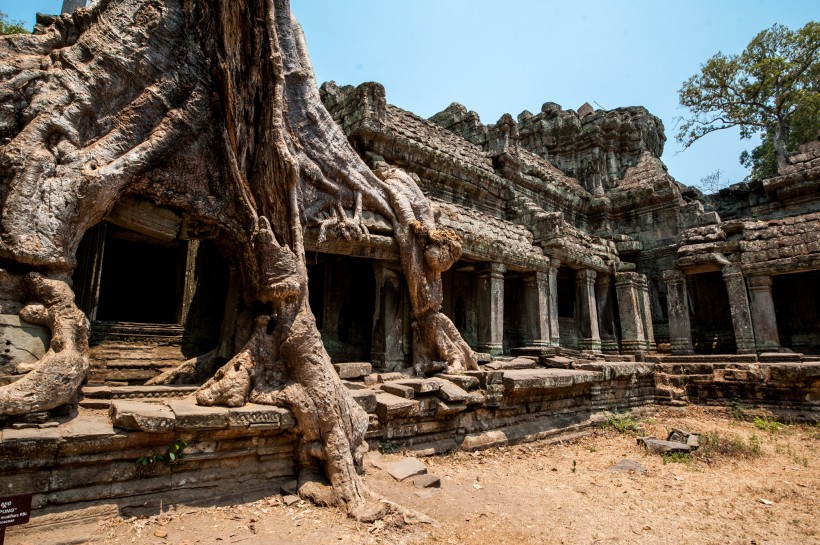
[
  {"x": 488, "y": 238},
  {"x": 433, "y": 136}
]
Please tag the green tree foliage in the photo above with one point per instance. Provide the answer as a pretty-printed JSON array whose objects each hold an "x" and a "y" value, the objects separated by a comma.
[
  {"x": 772, "y": 88},
  {"x": 10, "y": 27}
]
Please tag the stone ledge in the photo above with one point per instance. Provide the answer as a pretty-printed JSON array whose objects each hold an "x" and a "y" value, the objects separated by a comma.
[
  {"x": 140, "y": 416},
  {"x": 539, "y": 379}
]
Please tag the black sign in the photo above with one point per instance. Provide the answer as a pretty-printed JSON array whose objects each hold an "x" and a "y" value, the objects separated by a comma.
[{"x": 15, "y": 510}]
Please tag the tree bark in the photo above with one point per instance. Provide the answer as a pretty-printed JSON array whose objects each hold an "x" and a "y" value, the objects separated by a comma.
[{"x": 209, "y": 108}]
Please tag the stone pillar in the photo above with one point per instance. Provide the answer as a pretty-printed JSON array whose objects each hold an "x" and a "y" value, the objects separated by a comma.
[
  {"x": 739, "y": 308},
  {"x": 633, "y": 340},
  {"x": 491, "y": 308},
  {"x": 763, "y": 316},
  {"x": 590, "y": 338},
  {"x": 606, "y": 318},
  {"x": 677, "y": 302},
  {"x": 536, "y": 305},
  {"x": 555, "y": 338},
  {"x": 646, "y": 312},
  {"x": 390, "y": 343}
]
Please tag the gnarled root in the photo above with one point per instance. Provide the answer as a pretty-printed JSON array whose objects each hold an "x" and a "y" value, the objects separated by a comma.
[
  {"x": 439, "y": 340},
  {"x": 59, "y": 374}
]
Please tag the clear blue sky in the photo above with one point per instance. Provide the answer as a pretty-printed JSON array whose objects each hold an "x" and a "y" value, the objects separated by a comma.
[{"x": 496, "y": 57}]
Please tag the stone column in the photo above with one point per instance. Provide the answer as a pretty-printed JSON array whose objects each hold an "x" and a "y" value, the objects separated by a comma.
[
  {"x": 389, "y": 342},
  {"x": 739, "y": 308},
  {"x": 763, "y": 316},
  {"x": 646, "y": 312},
  {"x": 491, "y": 307},
  {"x": 590, "y": 338},
  {"x": 555, "y": 338},
  {"x": 536, "y": 305},
  {"x": 633, "y": 340},
  {"x": 606, "y": 318},
  {"x": 677, "y": 302}
]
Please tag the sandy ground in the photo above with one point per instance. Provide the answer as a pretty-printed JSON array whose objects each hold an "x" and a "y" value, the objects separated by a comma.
[{"x": 764, "y": 491}]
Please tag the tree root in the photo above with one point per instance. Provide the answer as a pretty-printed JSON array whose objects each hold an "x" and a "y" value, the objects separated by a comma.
[{"x": 58, "y": 375}]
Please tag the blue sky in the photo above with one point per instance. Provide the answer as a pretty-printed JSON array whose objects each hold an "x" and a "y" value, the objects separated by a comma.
[{"x": 496, "y": 57}]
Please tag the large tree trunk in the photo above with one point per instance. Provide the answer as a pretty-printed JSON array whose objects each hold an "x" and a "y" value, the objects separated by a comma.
[{"x": 210, "y": 108}]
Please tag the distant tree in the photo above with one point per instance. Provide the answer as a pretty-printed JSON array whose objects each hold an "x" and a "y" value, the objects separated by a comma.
[
  {"x": 10, "y": 27},
  {"x": 772, "y": 87},
  {"x": 712, "y": 183}
]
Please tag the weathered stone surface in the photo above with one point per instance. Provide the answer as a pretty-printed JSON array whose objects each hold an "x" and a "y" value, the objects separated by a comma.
[
  {"x": 398, "y": 389},
  {"x": 462, "y": 381},
  {"x": 405, "y": 468},
  {"x": 366, "y": 399},
  {"x": 253, "y": 414},
  {"x": 692, "y": 440},
  {"x": 87, "y": 427},
  {"x": 659, "y": 446},
  {"x": 21, "y": 343},
  {"x": 190, "y": 416},
  {"x": 389, "y": 406},
  {"x": 136, "y": 415},
  {"x": 451, "y": 392},
  {"x": 545, "y": 378},
  {"x": 353, "y": 369},
  {"x": 427, "y": 481},
  {"x": 516, "y": 363},
  {"x": 421, "y": 385},
  {"x": 628, "y": 466}
]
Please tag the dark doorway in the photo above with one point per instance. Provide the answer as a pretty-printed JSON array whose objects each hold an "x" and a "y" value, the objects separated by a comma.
[
  {"x": 515, "y": 324},
  {"x": 711, "y": 318},
  {"x": 141, "y": 281},
  {"x": 797, "y": 308}
]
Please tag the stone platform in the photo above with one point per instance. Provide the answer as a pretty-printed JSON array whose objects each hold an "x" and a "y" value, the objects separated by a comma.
[{"x": 88, "y": 460}]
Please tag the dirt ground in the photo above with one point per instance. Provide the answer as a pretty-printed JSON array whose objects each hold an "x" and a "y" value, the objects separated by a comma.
[{"x": 748, "y": 484}]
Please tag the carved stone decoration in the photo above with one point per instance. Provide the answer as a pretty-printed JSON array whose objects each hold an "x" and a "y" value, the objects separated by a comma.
[{"x": 209, "y": 109}]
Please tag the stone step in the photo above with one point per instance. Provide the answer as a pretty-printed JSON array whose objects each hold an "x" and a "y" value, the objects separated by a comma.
[
  {"x": 703, "y": 358},
  {"x": 780, "y": 357},
  {"x": 516, "y": 363},
  {"x": 389, "y": 406}
]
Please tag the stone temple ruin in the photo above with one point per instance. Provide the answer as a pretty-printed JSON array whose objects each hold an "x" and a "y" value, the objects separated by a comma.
[{"x": 589, "y": 280}]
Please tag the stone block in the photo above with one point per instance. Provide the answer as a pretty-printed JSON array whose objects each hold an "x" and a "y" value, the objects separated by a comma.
[
  {"x": 462, "y": 381},
  {"x": 628, "y": 466},
  {"x": 398, "y": 389},
  {"x": 353, "y": 369},
  {"x": 273, "y": 417},
  {"x": 366, "y": 399},
  {"x": 139, "y": 416},
  {"x": 560, "y": 362},
  {"x": 190, "y": 416},
  {"x": 659, "y": 446},
  {"x": 389, "y": 406},
  {"x": 451, "y": 392},
  {"x": 421, "y": 385},
  {"x": 87, "y": 427},
  {"x": 516, "y": 363},
  {"x": 448, "y": 409},
  {"x": 426, "y": 481},
  {"x": 527, "y": 379},
  {"x": 405, "y": 468}
]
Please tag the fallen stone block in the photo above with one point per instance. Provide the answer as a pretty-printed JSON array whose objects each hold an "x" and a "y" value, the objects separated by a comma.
[
  {"x": 190, "y": 416},
  {"x": 451, "y": 392},
  {"x": 659, "y": 446},
  {"x": 290, "y": 500},
  {"x": 397, "y": 389},
  {"x": 405, "y": 468},
  {"x": 366, "y": 399},
  {"x": 389, "y": 406},
  {"x": 376, "y": 378},
  {"x": 692, "y": 440},
  {"x": 139, "y": 416},
  {"x": 353, "y": 369},
  {"x": 427, "y": 481},
  {"x": 465, "y": 382},
  {"x": 449, "y": 408},
  {"x": 421, "y": 385}
]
